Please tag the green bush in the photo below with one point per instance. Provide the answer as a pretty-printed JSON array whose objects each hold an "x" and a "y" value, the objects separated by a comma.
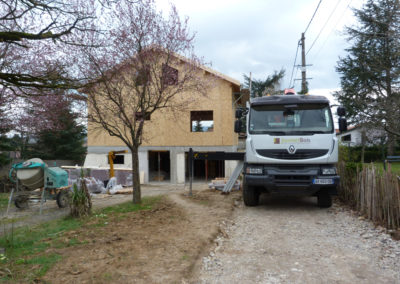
[
  {"x": 371, "y": 154},
  {"x": 348, "y": 154},
  {"x": 353, "y": 167}
]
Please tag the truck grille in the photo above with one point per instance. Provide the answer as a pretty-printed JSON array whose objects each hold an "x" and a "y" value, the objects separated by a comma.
[
  {"x": 300, "y": 154},
  {"x": 289, "y": 180}
]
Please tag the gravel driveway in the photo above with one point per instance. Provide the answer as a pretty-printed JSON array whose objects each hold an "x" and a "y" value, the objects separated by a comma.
[{"x": 293, "y": 241}]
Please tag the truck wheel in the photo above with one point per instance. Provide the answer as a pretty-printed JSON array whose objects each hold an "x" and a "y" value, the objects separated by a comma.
[
  {"x": 62, "y": 199},
  {"x": 324, "y": 200},
  {"x": 250, "y": 195}
]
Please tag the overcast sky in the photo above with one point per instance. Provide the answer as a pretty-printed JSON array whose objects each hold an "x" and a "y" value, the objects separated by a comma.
[{"x": 260, "y": 36}]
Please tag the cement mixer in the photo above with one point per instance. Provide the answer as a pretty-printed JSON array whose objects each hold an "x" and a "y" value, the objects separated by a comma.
[{"x": 33, "y": 178}]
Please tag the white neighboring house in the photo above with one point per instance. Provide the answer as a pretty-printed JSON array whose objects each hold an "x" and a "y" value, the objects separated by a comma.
[{"x": 353, "y": 136}]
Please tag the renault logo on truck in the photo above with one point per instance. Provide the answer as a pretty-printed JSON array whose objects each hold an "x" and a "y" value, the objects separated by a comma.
[{"x": 291, "y": 149}]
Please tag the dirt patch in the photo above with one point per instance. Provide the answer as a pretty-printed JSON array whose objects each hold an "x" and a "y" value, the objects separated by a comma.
[{"x": 162, "y": 245}]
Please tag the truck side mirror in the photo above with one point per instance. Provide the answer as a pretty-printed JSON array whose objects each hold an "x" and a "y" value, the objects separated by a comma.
[
  {"x": 238, "y": 126},
  {"x": 342, "y": 124},
  {"x": 239, "y": 113},
  {"x": 341, "y": 111}
]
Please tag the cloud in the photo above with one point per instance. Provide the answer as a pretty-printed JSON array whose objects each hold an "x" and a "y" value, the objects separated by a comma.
[{"x": 261, "y": 36}]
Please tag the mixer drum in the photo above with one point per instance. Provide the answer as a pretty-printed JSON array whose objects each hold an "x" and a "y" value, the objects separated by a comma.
[{"x": 32, "y": 178}]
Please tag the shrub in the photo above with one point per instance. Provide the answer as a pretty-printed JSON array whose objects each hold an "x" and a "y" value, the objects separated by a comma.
[{"x": 80, "y": 201}]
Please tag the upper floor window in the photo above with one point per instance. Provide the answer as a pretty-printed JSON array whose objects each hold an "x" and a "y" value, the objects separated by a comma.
[
  {"x": 143, "y": 76},
  {"x": 169, "y": 75},
  {"x": 201, "y": 121},
  {"x": 139, "y": 116}
]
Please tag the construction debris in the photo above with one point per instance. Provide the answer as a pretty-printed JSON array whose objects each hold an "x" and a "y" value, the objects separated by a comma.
[
  {"x": 121, "y": 190},
  {"x": 219, "y": 184},
  {"x": 94, "y": 185}
]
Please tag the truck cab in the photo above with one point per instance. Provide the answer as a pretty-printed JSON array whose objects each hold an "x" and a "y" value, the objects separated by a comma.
[{"x": 291, "y": 148}]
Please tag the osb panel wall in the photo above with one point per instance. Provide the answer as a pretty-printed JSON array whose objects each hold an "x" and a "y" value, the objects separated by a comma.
[{"x": 174, "y": 129}]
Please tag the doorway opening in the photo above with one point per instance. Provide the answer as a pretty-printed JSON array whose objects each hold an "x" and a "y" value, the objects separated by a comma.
[{"x": 159, "y": 166}]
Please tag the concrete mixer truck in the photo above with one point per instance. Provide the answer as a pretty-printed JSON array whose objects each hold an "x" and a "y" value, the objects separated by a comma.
[
  {"x": 34, "y": 174},
  {"x": 291, "y": 147}
]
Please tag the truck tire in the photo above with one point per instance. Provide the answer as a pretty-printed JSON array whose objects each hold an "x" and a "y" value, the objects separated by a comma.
[
  {"x": 324, "y": 200},
  {"x": 250, "y": 195}
]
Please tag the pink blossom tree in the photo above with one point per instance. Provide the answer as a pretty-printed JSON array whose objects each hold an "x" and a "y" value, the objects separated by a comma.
[
  {"x": 39, "y": 45},
  {"x": 147, "y": 66}
]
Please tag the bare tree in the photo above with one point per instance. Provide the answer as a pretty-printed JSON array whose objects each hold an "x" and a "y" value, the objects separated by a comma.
[
  {"x": 37, "y": 40},
  {"x": 141, "y": 72}
]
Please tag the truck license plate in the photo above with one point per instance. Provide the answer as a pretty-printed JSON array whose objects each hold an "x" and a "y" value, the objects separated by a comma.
[{"x": 323, "y": 181}]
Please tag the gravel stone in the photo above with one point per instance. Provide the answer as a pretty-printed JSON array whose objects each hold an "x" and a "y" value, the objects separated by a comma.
[{"x": 291, "y": 240}]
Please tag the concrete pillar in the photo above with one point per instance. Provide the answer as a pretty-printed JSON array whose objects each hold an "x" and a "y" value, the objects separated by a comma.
[
  {"x": 180, "y": 168},
  {"x": 144, "y": 165},
  {"x": 230, "y": 167},
  {"x": 172, "y": 161}
]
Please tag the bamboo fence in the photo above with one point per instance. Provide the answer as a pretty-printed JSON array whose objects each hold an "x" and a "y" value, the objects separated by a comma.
[{"x": 375, "y": 194}]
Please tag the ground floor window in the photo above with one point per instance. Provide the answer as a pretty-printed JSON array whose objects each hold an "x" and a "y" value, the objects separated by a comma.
[{"x": 118, "y": 160}]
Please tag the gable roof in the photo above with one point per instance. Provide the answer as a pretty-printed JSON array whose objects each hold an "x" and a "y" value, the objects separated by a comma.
[
  {"x": 211, "y": 71},
  {"x": 222, "y": 76}
]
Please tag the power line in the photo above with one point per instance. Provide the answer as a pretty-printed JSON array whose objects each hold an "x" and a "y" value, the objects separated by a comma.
[
  {"x": 294, "y": 65},
  {"x": 298, "y": 43},
  {"x": 338, "y": 21},
  {"x": 313, "y": 16},
  {"x": 323, "y": 27}
]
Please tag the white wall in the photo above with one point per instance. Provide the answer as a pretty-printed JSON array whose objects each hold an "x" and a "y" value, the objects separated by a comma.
[
  {"x": 373, "y": 136},
  {"x": 95, "y": 160}
]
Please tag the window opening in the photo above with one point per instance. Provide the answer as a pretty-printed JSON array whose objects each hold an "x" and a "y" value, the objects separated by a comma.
[
  {"x": 169, "y": 75},
  {"x": 201, "y": 121},
  {"x": 139, "y": 116},
  {"x": 118, "y": 160},
  {"x": 346, "y": 138}
]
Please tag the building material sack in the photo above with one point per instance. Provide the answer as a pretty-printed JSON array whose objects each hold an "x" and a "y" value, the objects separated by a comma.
[{"x": 115, "y": 189}]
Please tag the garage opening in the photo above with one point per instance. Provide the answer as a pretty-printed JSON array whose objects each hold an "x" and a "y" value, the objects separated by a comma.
[
  {"x": 205, "y": 170},
  {"x": 159, "y": 166}
]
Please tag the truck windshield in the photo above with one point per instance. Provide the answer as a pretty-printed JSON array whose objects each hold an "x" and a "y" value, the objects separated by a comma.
[{"x": 302, "y": 119}]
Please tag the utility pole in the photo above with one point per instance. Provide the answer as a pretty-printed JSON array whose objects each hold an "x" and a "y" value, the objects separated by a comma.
[{"x": 303, "y": 65}]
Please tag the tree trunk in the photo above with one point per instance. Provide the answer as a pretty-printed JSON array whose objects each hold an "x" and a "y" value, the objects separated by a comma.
[
  {"x": 136, "y": 198},
  {"x": 391, "y": 144}
]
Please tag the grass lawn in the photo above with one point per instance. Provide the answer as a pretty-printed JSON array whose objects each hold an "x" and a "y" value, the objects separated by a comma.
[
  {"x": 27, "y": 253},
  {"x": 394, "y": 166},
  {"x": 4, "y": 200}
]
